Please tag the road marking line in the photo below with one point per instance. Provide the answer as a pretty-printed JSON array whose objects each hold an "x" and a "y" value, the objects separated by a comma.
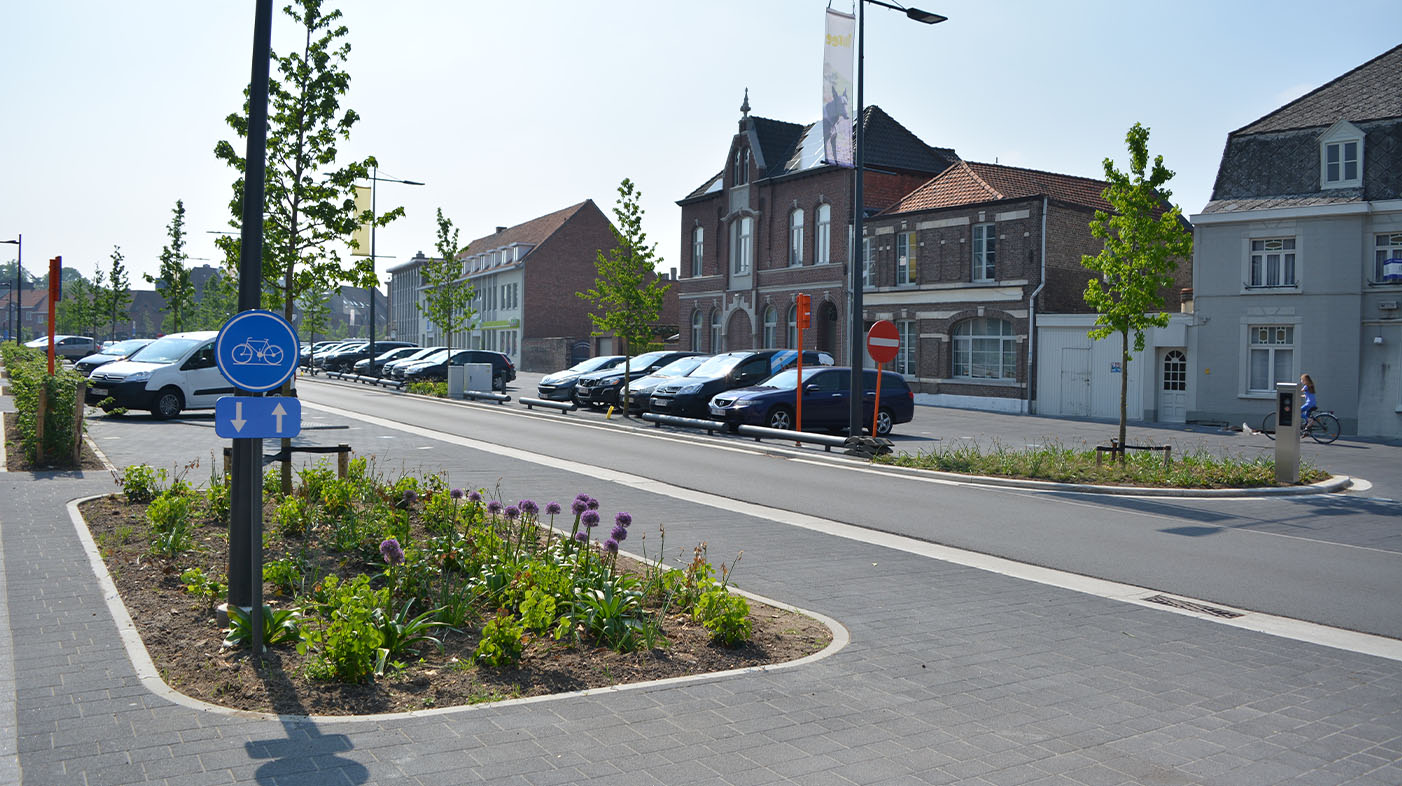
[{"x": 1284, "y": 627}]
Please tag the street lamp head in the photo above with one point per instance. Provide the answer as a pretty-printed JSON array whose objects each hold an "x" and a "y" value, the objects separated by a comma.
[
  {"x": 927, "y": 17},
  {"x": 9, "y": 242},
  {"x": 411, "y": 182}
]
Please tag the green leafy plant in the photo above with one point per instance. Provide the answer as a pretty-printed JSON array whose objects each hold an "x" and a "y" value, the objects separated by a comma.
[
  {"x": 538, "y": 610},
  {"x": 609, "y": 612},
  {"x": 216, "y": 499},
  {"x": 438, "y": 389},
  {"x": 400, "y": 634},
  {"x": 726, "y": 616},
  {"x": 280, "y": 626},
  {"x": 206, "y": 588},
  {"x": 501, "y": 643},
  {"x": 169, "y": 517},
  {"x": 141, "y": 482},
  {"x": 346, "y": 639},
  {"x": 291, "y": 518},
  {"x": 286, "y": 575}
]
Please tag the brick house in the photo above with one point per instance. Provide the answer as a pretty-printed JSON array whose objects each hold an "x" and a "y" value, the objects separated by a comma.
[
  {"x": 776, "y": 221},
  {"x": 526, "y": 278},
  {"x": 964, "y": 263},
  {"x": 33, "y": 304}
]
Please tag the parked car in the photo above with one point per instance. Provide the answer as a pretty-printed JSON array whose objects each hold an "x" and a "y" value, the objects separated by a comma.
[
  {"x": 370, "y": 367},
  {"x": 69, "y": 347},
  {"x": 435, "y": 367},
  {"x": 601, "y": 388},
  {"x": 640, "y": 390},
  {"x": 318, "y": 349},
  {"x": 388, "y": 369},
  {"x": 111, "y": 351},
  {"x": 344, "y": 359},
  {"x": 826, "y": 401},
  {"x": 169, "y": 375},
  {"x": 322, "y": 357},
  {"x": 691, "y": 395},
  {"x": 559, "y": 386}
]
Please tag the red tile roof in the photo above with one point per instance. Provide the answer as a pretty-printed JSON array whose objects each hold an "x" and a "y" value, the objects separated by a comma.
[
  {"x": 969, "y": 182},
  {"x": 532, "y": 232}
]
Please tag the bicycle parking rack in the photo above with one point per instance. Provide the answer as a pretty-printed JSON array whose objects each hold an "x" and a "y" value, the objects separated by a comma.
[
  {"x": 1116, "y": 448},
  {"x": 563, "y": 406},
  {"x": 828, "y": 441},
  {"x": 483, "y": 395},
  {"x": 342, "y": 452},
  {"x": 711, "y": 426}
]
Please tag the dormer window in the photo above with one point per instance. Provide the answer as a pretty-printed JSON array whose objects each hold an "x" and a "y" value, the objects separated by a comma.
[
  {"x": 742, "y": 168},
  {"x": 1341, "y": 156}
]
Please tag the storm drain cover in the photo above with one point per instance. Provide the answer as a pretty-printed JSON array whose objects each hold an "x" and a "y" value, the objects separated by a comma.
[{"x": 1179, "y": 603}]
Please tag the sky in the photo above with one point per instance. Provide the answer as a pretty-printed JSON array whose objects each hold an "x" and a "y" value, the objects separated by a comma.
[{"x": 510, "y": 110}]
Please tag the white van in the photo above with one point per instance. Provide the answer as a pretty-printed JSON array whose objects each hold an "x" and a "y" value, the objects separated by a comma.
[{"x": 171, "y": 374}]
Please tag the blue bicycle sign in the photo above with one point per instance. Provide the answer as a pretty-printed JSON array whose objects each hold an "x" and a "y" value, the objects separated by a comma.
[{"x": 256, "y": 350}]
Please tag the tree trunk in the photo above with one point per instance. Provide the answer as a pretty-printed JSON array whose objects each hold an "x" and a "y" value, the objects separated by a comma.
[
  {"x": 1124, "y": 387},
  {"x": 627, "y": 377}
]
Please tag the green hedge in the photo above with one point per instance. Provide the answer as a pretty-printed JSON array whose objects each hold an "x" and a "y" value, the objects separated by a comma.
[{"x": 28, "y": 370}]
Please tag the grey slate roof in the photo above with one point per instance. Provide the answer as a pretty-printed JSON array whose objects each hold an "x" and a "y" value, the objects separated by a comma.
[
  {"x": 1337, "y": 197},
  {"x": 1371, "y": 91}
]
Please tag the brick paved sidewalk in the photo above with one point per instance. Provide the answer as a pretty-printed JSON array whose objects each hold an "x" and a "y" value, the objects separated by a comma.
[{"x": 953, "y": 675}]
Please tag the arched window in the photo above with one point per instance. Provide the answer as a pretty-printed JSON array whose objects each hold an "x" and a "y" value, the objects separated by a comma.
[
  {"x": 698, "y": 245},
  {"x": 793, "y": 327},
  {"x": 696, "y": 334},
  {"x": 715, "y": 331},
  {"x": 771, "y": 326},
  {"x": 742, "y": 245},
  {"x": 823, "y": 254},
  {"x": 742, "y": 168},
  {"x": 796, "y": 236},
  {"x": 985, "y": 348}
]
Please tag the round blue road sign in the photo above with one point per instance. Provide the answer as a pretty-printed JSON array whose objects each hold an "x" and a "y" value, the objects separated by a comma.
[{"x": 256, "y": 350}]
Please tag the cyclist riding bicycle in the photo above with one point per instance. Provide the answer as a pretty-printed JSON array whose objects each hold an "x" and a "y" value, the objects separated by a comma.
[{"x": 1307, "y": 401}]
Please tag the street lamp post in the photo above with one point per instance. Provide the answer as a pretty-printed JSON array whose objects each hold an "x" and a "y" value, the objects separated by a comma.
[
  {"x": 18, "y": 291},
  {"x": 854, "y": 422},
  {"x": 374, "y": 274}
]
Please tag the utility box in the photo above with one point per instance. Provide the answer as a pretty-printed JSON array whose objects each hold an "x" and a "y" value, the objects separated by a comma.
[
  {"x": 479, "y": 378},
  {"x": 1287, "y": 433},
  {"x": 457, "y": 380}
]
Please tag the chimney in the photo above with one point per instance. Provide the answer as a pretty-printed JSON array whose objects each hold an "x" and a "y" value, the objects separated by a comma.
[
  {"x": 500, "y": 230},
  {"x": 1185, "y": 300},
  {"x": 673, "y": 274}
]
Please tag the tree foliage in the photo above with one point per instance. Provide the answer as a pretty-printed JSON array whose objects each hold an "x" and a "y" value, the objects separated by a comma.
[
  {"x": 117, "y": 296},
  {"x": 218, "y": 302},
  {"x": 447, "y": 300},
  {"x": 173, "y": 282},
  {"x": 627, "y": 296},
  {"x": 1144, "y": 239},
  {"x": 309, "y": 202}
]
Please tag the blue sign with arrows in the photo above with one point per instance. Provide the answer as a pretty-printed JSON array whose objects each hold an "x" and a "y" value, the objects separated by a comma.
[
  {"x": 257, "y": 350},
  {"x": 254, "y": 417}
]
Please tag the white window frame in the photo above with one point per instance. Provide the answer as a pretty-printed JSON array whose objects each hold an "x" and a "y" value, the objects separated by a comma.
[
  {"x": 1276, "y": 338},
  {"x": 742, "y": 246},
  {"x": 1273, "y": 262},
  {"x": 793, "y": 327},
  {"x": 796, "y": 237},
  {"x": 697, "y": 326},
  {"x": 978, "y": 337},
  {"x": 905, "y": 355},
  {"x": 715, "y": 332},
  {"x": 907, "y": 259},
  {"x": 823, "y": 254},
  {"x": 868, "y": 249},
  {"x": 1385, "y": 245},
  {"x": 1341, "y": 156},
  {"x": 985, "y": 246},
  {"x": 698, "y": 248},
  {"x": 770, "y": 321}
]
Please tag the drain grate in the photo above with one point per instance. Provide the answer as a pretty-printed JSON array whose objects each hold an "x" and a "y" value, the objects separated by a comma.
[{"x": 1178, "y": 603}]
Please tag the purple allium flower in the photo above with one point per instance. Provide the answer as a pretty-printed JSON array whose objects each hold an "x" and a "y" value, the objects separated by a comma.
[
  {"x": 590, "y": 518},
  {"x": 593, "y": 504},
  {"x": 582, "y": 497},
  {"x": 623, "y": 520},
  {"x": 494, "y": 507},
  {"x": 474, "y": 496},
  {"x": 456, "y": 494},
  {"x": 611, "y": 546},
  {"x": 529, "y": 507},
  {"x": 619, "y": 533},
  {"x": 582, "y": 537},
  {"x": 552, "y": 508},
  {"x": 391, "y": 551},
  {"x": 577, "y": 507},
  {"x": 410, "y": 496},
  {"x": 512, "y": 512}
]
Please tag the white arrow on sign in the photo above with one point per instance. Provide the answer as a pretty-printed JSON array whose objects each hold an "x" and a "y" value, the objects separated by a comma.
[
  {"x": 238, "y": 420},
  {"x": 278, "y": 412}
]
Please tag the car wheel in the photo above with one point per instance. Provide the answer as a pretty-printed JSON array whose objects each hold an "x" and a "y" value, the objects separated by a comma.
[
  {"x": 499, "y": 383},
  {"x": 168, "y": 403},
  {"x": 884, "y": 422},
  {"x": 780, "y": 418}
]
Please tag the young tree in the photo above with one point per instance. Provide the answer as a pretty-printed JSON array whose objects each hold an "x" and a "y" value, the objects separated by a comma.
[
  {"x": 174, "y": 280},
  {"x": 447, "y": 300},
  {"x": 219, "y": 302},
  {"x": 315, "y": 304},
  {"x": 1144, "y": 239},
  {"x": 309, "y": 203},
  {"x": 627, "y": 293},
  {"x": 117, "y": 296},
  {"x": 74, "y": 312}
]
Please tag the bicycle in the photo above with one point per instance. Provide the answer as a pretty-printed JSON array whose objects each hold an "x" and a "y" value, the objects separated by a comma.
[
  {"x": 1321, "y": 426},
  {"x": 262, "y": 350}
]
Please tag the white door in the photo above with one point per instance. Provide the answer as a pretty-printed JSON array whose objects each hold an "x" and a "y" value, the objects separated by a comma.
[
  {"x": 1173, "y": 386},
  {"x": 1075, "y": 381}
]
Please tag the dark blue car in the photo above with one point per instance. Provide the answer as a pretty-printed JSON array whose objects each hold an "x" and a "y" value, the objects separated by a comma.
[{"x": 825, "y": 401}]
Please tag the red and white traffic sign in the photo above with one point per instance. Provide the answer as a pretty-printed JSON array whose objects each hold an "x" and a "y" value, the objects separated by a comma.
[{"x": 883, "y": 341}]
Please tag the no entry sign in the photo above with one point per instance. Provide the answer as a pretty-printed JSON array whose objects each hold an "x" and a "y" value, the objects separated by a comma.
[{"x": 883, "y": 341}]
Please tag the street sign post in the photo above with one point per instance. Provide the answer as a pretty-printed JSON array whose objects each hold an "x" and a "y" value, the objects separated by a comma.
[
  {"x": 883, "y": 342},
  {"x": 802, "y": 319},
  {"x": 254, "y": 417}
]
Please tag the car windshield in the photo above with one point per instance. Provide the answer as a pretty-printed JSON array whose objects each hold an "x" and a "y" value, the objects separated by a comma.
[
  {"x": 647, "y": 359},
  {"x": 592, "y": 364},
  {"x": 436, "y": 357},
  {"x": 680, "y": 367},
  {"x": 718, "y": 366},
  {"x": 395, "y": 353},
  {"x": 125, "y": 347},
  {"x": 165, "y": 350},
  {"x": 784, "y": 380}
]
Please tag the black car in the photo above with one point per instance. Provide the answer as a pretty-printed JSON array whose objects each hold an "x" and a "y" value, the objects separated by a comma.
[
  {"x": 690, "y": 396},
  {"x": 345, "y": 359},
  {"x": 602, "y": 388},
  {"x": 827, "y": 393},
  {"x": 119, "y": 350},
  {"x": 640, "y": 390},
  {"x": 373, "y": 367},
  {"x": 435, "y": 368},
  {"x": 560, "y": 385},
  {"x": 323, "y": 358}
]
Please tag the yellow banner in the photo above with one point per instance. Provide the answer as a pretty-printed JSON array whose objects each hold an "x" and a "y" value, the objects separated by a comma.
[{"x": 362, "y": 233}]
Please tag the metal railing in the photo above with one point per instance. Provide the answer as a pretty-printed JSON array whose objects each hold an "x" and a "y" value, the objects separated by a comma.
[{"x": 563, "y": 406}]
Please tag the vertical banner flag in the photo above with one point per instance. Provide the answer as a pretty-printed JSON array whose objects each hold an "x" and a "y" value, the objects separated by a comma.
[
  {"x": 837, "y": 88},
  {"x": 361, "y": 235}
]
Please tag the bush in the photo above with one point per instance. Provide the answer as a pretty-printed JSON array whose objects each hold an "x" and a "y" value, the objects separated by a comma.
[
  {"x": 30, "y": 381},
  {"x": 141, "y": 483},
  {"x": 726, "y": 616},
  {"x": 501, "y": 642}
]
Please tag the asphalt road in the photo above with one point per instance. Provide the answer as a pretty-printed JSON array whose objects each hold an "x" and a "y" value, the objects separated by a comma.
[{"x": 1334, "y": 560}]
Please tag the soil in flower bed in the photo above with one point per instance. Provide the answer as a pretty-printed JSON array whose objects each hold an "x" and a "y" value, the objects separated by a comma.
[
  {"x": 186, "y": 643},
  {"x": 17, "y": 461}
]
